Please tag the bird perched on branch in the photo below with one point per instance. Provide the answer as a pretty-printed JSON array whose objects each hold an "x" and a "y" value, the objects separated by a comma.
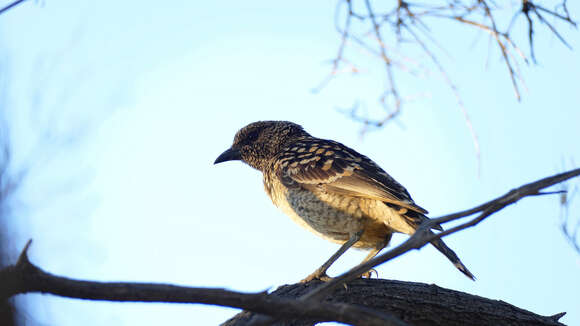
[{"x": 330, "y": 189}]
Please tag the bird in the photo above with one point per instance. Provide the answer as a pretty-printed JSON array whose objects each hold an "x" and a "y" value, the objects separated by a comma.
[{"x": 330, "y": 190}]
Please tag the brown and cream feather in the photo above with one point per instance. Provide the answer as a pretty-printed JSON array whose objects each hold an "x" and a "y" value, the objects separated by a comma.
[{"x": 329, "y": 188}]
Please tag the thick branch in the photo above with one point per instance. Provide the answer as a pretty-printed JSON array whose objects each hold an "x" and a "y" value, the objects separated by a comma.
[
  {"x": 25, "y": 277},
  {"x": 415, "y": 303},
  {"x": 361, "y": 302}
]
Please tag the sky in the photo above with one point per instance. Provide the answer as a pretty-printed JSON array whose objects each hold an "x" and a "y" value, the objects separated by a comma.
[{"x": 117, "y": 111}]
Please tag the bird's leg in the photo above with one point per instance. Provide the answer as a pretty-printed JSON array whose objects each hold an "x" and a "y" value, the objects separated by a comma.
[
  {"x": 380, "y": 246},
  {"x": 320, "y": 272},
  {"x": 370, "y": 256}
]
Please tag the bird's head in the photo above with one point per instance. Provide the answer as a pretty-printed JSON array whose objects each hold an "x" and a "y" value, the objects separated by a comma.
[{"x": 259, "y": 142}]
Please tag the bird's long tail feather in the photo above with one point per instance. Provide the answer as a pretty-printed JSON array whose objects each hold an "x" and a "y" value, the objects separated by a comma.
[{"x": 450, "y": 254}]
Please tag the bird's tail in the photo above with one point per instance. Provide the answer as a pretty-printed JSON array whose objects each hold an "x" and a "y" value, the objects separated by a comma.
[{"x": 450, "y": 254}]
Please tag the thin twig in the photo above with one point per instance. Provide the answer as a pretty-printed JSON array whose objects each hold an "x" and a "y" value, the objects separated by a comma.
[
  {"x": 339, "y": 56},
  {"x": 10, "y": 6},
  {"x": 387, "y": 61},
  {"x": 398, "y": 21},
  {"x": 455, "y": 92}
]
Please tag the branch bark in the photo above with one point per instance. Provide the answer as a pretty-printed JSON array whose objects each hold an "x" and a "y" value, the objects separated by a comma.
[
  {"x": 25, "y": 277},
  {"x": 414, "y": 303},
  {"x": 360, "y": 302}
]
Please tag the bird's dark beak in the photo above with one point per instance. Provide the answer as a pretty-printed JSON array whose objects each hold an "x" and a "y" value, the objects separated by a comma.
[{"x": 229, "y": 155}]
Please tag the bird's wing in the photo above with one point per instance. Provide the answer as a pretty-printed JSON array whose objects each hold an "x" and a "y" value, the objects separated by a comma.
[{"x": 338, "y": 169}]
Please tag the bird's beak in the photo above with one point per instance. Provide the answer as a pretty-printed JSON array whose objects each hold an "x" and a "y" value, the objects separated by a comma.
[{"x": 229, "y": 155}]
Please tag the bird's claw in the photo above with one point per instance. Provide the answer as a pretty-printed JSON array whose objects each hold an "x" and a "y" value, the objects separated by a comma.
[
  {"x": 369, "y": 273},
  {"x": 317, "y": 276}
]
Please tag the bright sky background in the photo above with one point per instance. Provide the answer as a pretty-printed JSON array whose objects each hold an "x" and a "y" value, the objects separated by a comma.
[{"x": 120, "y": 108}]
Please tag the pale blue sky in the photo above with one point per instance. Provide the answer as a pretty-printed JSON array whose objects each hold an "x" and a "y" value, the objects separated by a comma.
[{"x": 148, "y": 94}]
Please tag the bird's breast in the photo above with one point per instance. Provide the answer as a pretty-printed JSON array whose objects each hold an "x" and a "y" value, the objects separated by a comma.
[{"x": 330, "y": 216}]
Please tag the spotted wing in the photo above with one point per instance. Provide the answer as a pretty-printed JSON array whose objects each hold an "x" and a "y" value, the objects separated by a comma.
[{"x": 335, "y": 168}]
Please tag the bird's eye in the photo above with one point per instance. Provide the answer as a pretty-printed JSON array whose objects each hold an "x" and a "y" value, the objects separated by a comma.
[{"x": 252, "y": 136}]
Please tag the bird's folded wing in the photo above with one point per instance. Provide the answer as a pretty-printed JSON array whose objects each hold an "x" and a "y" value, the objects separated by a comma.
[{"x": 346, "y": 174}]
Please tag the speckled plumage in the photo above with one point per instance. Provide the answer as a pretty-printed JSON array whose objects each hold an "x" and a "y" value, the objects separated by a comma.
[{"x": 328, "y": 188}]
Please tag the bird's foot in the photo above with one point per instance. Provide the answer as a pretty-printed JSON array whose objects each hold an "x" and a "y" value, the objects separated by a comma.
[
  {"x": 369, "y": 273},
  {"x": 317, "y": 275}
]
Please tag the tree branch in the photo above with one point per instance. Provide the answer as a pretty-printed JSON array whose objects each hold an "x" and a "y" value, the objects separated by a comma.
[
  {"x": 25, "y": 277},
  {"x": 10, "y": 6},
  {"x": 377, "y": 29},
  {"x": 438, "y": 306}
]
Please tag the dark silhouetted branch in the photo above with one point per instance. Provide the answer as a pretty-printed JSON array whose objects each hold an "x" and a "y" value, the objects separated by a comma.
[
  {"x": 25, "y": 277},
  {"x": 414, "y": 303},
  {"x": 376, "y": 30},
  {"x": 10, "y": 6}
]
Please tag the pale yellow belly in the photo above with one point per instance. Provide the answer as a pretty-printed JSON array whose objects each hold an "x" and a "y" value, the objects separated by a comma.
[{"x": 336, "y": 218}]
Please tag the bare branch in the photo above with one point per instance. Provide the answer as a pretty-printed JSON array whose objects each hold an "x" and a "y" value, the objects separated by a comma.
[
  {"x": 25, "y": 277},
  {"x": 391, "y": 300},
  {"x": 529, "y": 7},
  {"x": 10, "y": 6},
  {"x": 451, "y": 86},
  {"x": 400, "y": 21},
  {"x": 339, "y": 56},
  {"x": 502, "y": 41},
  {"x": 388, "y": 66},
  {"x": 415, "y": 303}
]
